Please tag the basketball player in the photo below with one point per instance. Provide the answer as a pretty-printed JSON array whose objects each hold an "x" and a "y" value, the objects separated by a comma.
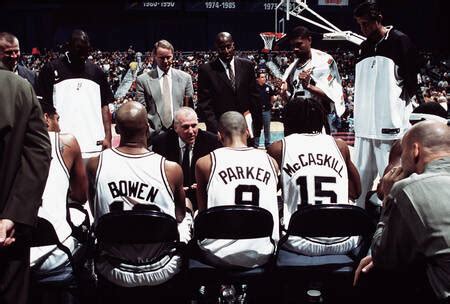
[
  {"x": 315, "y": 169},
  {"x": 67, "y": 174},
  {"x": 129, "y": 175},
  {"x": 236, "y": 174}
]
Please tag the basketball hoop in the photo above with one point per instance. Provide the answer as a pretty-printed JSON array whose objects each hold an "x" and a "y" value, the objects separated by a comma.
[{"x": 269, "y": 38}]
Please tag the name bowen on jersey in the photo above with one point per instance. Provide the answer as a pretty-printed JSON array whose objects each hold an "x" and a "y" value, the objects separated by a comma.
[{"x": 133, "y": 189}]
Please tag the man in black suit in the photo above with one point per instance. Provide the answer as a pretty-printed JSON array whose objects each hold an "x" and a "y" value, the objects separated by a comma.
[
  {"x": 186, "y": 139},
  {"x": 10, "y": 55},
  {"x": 227, "y": 83}
]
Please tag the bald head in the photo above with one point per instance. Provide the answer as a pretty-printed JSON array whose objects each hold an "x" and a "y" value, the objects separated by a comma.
[
  {"x": 131, "y": 120},
  {"x": 423, "y": 143},
  {"x": 225, "y": 46},
  {"x": 432, "y": 135},
  {"x": 223, "y": 36},
  {"x": 232, "y": 124}
]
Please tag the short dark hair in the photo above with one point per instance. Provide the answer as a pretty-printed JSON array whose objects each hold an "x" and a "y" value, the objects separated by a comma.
[
  {"x": 79, "y": 35},
  {"x": 47, "y": 107},
  {"x": 432, "y": 108},
  {"x": 299, "y": 31},
  {"x": 368, "y": 9},
  {"x": 303, "y": 116}
]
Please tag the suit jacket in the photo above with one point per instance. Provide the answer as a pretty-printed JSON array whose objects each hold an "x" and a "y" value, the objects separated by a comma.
[
  {"x": 216, "y": 95},
  {"x": 28, "y": 74},
  {"x": 167, "y": 145},
  {"x": 25, "y": 150},
  {"x": 148, "y": 93}
]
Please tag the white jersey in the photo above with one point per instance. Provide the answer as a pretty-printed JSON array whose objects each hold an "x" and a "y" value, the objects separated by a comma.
[
  {"x": 139, "y": 176},
  {"x": 54, "y": 208},
  {"x": 384, "y": 78},
  {"x": 142, "y": 178},
  {"x": 313, "y": 172},
  {"x": 242, "y": 176}
]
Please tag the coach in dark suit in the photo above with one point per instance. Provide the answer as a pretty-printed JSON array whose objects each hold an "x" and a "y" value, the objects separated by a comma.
[
  {"x": 186, "y": 139},
  {"x": 10, "y": 55},
  {"x": 227, "y": 84},
  {"x": 163, "y": 90}
]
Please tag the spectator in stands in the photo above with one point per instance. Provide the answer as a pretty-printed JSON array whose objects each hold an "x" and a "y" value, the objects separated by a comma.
[
  {"x": 227, "y": 84},
  {"x": 306, "y": 154},
  {"x": 164, "y": 89},
  {"x": 67, "y": 176},
  {"x": 386, "y": 79},
  {"x": 412, "y": 237},
  {"x": 79, "y": 91},
  {"x": 111, "y": 174},
  {"x": 313, "y": 74},
  {"x": 10, "y": 56},
  {"x": 186, "y": 139},
  {"x": 221, "y": 176},
  {"x": 24, "y": 164}
]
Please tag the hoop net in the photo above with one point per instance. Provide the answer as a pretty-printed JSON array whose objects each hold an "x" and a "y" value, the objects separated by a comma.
[{"x": 269, "y": 38}]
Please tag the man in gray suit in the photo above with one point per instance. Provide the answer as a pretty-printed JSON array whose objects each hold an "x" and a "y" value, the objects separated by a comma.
[{"x": 163, "y": 90}]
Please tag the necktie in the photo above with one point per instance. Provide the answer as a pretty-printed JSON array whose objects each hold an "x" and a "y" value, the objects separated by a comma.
[
  {"x": 166, "y": 117},
  {"x": 185, "y": 165},
  {"x": 231, "y": 74}
]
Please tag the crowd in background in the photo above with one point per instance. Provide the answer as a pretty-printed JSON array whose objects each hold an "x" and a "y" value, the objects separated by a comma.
[{"x": 433, "y": 79}]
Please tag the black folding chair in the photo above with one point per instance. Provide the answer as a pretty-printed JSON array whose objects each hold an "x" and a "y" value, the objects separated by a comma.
[
  {"x": 62, "y": 284},
  {"x": 132, "y": 227},
  {"x": 341, "y": 220},
  {"x": 228, "y": 222}
]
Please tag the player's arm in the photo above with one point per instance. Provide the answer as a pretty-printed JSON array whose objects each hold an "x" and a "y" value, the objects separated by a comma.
[
  {"x": 354, "y": 181},
  {"x": 91, "y": 169},
  {"x": 202, "y": 172},
  {"x": 174, "y": 175},
  {"x": 277, "y": 171},
  {"x": 394, "y": 160},
  {"x": 106, "y": 117},
  {"x": 276, "y": 150},
  {"x": 77, "y": 173}
]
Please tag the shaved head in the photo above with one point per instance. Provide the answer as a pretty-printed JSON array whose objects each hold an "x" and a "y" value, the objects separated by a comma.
[
  {"x": 131, "y": 120},
  {"x": 232, "y": 124},
  {"x": 225, "y": 46},
  {"x": 223, "y": 36},
  {"x": 432, "y": 135},
  {"x": 423, "y": 143}
]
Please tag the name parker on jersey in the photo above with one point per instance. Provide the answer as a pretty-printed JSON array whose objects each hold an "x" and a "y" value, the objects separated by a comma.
[
  {"x": 133, "y": 189},
  {"x": 318, "y": 159},
  {"x": 232, "y": 173}
]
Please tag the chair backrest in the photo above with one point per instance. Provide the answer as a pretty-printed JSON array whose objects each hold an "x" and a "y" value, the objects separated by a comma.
[
  {"x": 233, "y": 222},
  {"x": 43, "y": 234},
  {"x": 330, "y": 221},
  {"x": 136, "y": 227}
]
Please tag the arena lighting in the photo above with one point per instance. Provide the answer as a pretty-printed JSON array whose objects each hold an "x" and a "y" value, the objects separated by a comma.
[{"x": 296, "y": 8}]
